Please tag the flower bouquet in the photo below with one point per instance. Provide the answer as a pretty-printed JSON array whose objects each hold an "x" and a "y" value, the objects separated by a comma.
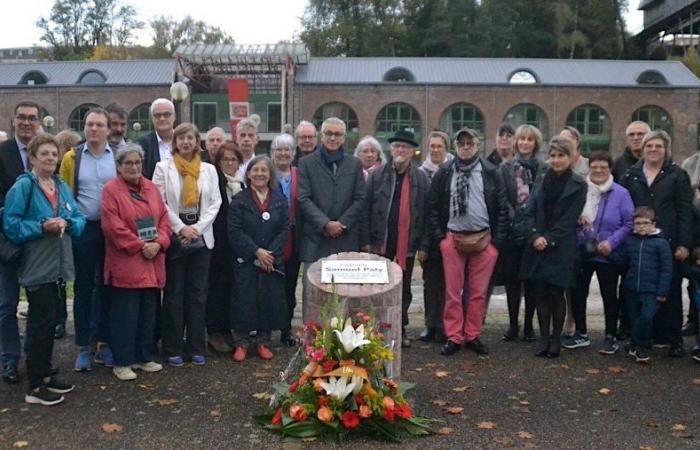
[{"x": 338, "y": 385}]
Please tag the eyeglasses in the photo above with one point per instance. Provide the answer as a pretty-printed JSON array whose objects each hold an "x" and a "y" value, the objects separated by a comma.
[
  {"x": 23, "y": 118},
  {"x": 333, "y": 135},
  {"x": 163, "y": 115},
  {"x": 467, "y": 143}
]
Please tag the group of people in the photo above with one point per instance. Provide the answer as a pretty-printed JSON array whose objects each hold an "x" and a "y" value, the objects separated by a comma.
[{"x": 175, "y": 246}]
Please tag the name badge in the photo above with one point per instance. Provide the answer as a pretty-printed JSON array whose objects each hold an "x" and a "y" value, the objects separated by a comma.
[
  {"x": 266, "y": 216},
  {"x": 146, "y": 229}
]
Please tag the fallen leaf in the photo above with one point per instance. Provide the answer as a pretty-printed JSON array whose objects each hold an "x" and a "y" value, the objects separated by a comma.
[
  {"x": 20, "y": 444},
  {"x": 651, "y": 424},
  {"x": 604, "y": 391},
  {"x": 524, "y": 403},
  {"x": 147, "y": 386},
  {"x": 431, "y": 365},
  {"x": 592, "y": 371},
  {"x": 678, "y": 427},
  {"x": 696, "y": 382},
  {"x": 442, "y": 374},
  {"x": 419, "y": 369},
  {"x": 564, "y": 366},
  {"x": 308, "y": 439},
  {"x": 646, "y": 447},
  {"x": 616, "y": 369},
  {"x": 109, "y": 427},
  {"x": 4, "y": 410},
  {"x": 454, "y": 410},
  {"x": 167, "y": 402},
  {"x": 504, "y": 441},
  {"x": 215, "y": 413},
  {"x": 461, "y": 389},
  {"x": 525, "y": 435},
  {"x": 486, "y": 425},
  {"x": 263, "y": 374},
  {"x": 262, "y": 395},
  {"x": 446, "y": 430},
  {"x": 439, "y": 402}
]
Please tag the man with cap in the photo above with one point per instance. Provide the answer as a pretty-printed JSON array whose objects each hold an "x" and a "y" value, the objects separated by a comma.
[
  {"x": 393, "y": 219},
  {"x": 467, "y": 213}
]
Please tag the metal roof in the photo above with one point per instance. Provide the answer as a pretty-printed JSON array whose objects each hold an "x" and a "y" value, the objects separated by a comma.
[
  {"x": 232, "y": 53},
  {"x": 495, "y": 71},
  {"x": 63, "y": 73}
]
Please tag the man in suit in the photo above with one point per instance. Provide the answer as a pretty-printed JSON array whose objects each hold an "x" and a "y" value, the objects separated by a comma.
[
  {"x": 331, "y": 198},
  {"x": 157, "y": 145},
  {"x": 307, "y": 139},
  {"x": 14, "y": 160},
  {"x": 247, "y": 139},
  {"x": 214, "y": 139},
  {"x": 117, "y": 125}
]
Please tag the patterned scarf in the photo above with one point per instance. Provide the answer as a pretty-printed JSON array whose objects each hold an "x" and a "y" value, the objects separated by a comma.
[
  {"x": 459, "y": 197},
  {"x": 189, "y": 171},
  {"x": 525, "y": 172}
]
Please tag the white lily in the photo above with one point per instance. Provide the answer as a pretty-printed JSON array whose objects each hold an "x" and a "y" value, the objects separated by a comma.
[
  {"x": 334, "y": 322},
  {"x": 338, "y": 387},
  {"x": 351, "y": 338},
  {"x": 357, "y": 381}
]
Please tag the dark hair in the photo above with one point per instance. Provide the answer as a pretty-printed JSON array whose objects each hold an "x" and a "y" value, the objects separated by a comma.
[
  {"x": 228, "y": 146},
  {"x": 116, "y": 108},
  {"x": 99, "y": 110},
  {"x": 39, "y": 140},
  {"x": 27, "y": 104},
  {"x": 601, "y": 155},
  {"x": 504, "y": 128},
  {"x": 644, "y": 212}
]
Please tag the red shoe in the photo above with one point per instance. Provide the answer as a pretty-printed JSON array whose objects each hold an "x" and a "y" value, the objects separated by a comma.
[
  {"x": 239, "y": 354},
  {"x": 264, "y": 352}
]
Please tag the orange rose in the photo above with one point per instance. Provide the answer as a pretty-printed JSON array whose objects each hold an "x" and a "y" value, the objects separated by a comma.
[
  {"x": 297, "y": 412},
  {"x": 365, "y": 411},
  {"x": 317, "y": 384},
  {"x": 324, "y": 414},
  {"x": 388, "y": 403}
]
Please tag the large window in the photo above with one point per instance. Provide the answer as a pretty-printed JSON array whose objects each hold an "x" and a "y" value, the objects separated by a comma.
[
  {"x": 594, "y": 125},
  {"x": 274, "y": 117},
  {"x": 657, "y": 118},
  {"x": 397, "y": 116},
  {"x": 92, "y": 77},
  {"x": 34, "y": 77},
  {"x": 527, "y": 113},
  {"x": 342, "y": 112},
  {"x": 204, "y": 114},
  {"x": 141, "y": 115},
  {"x": 76, "y": 120},
  {"x": 462, "y": 115}
]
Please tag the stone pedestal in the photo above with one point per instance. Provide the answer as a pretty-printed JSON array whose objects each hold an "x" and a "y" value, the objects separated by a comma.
[{"x": 383, "y": 299}]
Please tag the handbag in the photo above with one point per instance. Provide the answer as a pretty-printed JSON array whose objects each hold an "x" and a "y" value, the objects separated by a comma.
[
  {"x": 589, "y": 247},
  {"x": 469, "y": 244},
  {"x": 179, "y": 249},
  {"x": 10, "y": 252}
]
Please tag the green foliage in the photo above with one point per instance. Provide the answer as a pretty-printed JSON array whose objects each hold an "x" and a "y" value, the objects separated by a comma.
[
  {"x": 169, "y": 33},
  {"x": 692, "y": 61}
]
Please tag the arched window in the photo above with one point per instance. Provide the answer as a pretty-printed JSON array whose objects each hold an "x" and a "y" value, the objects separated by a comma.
[
  {"x": 522, "y": 76},
  {"x": 399, "y": 75},
  {"x": 462, "y": 115},
  {"x": 92, "y": 76},
  {"x": 342, "y": 112},
  {"x": 141, "y": 115},
  {"x": 527, "y": 113},
  {"x": 656, "y": 117},
  {"x": 651, "y": 77},
  {"x": 76, "y": 120},
  {"x": 34, "y": 77},
  {"x": 397, "y": 116},
  {"x": 594, "y": 125}
]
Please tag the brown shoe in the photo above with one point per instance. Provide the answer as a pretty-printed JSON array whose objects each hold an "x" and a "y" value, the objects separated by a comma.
[
  {"x": 264, "y": 352},
  {"x": 218, "y": 343},
  {"x": 239, "y": 354}
]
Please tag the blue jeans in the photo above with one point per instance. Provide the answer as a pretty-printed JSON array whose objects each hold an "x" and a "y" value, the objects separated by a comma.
[
  {"x": 133, "y": 317},
  {"x": 9, "y": 331},
  {"x": 90, "y": 306},
  {"x": 641, "y": 309}
]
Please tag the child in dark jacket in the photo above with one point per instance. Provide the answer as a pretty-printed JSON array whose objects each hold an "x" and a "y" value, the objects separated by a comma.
[{"x": 649, "y": 262}]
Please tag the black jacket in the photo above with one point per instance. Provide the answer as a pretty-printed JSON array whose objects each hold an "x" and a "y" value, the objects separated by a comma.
[
  {"x": 380, "y": 192},
  {"x": 622, "y": 164},
  {"x": 555, "y": 265},
  {"x": 670, "y": 196},
  {"x": 438, "y": 206},
  {"x": 151, "y": 154},
  {"x": 11, "y": 167}
]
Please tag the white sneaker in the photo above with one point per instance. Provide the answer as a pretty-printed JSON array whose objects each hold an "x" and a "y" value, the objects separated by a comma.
[
  {"x": 124, "y": 373},
  {"x": 149, "y": 366}
]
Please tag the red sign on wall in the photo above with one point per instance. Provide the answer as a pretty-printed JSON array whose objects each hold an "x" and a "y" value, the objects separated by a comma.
[{"x": 239, "y": 107}]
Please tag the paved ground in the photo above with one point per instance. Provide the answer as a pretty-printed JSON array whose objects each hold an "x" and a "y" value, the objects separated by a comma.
[{"x": 510, "y": 399}]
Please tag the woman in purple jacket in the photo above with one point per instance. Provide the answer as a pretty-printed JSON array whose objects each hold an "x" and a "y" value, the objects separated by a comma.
[{"x": 605, "y": 222}]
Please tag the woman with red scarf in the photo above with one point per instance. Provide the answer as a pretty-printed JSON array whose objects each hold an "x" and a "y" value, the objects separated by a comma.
[{"x": 258, "y": 226}]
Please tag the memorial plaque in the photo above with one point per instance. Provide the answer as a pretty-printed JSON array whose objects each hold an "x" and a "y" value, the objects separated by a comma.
[{"x": 354, "y": 272}]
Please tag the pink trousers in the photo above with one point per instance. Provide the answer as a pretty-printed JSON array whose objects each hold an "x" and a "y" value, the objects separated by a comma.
[{"x": 460, "y": 325}]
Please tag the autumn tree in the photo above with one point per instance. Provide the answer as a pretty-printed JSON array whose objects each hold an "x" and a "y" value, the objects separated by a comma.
[{"x": 169, "y": 33}]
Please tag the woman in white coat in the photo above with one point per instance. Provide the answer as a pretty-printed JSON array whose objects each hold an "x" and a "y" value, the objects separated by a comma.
[{"x": 190, "y": 190}]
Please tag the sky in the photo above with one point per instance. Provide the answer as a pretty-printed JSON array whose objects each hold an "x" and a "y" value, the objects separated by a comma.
[{"x": 248, "y": 22}]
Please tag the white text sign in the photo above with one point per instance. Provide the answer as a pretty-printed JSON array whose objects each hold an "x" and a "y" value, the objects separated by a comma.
[{"x": 354, "y": 272}]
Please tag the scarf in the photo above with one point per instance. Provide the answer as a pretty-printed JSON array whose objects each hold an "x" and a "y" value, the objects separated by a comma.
[
  {"x": 289, "y": 248},
  {"x": 261, "y": 204},
  {"x": 332, "y": 159},
  {"x": 233, "y": 185},
  {"x": 189, "y": 171},
  {"x": 404, "y": 221},
  {"x": 459, "y": 197},
  {"x": 553, "y": 187},
  {"x": 595, "y": 193},
  {"x": 525, "y": 172}
]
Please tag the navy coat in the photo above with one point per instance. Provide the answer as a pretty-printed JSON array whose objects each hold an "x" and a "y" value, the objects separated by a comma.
[
  {"x": 649, "y": 264},
  {"x": 258, "y": 299}
]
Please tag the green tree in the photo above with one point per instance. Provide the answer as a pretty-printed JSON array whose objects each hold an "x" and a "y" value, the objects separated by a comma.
[{"x": 169, "y": 33}]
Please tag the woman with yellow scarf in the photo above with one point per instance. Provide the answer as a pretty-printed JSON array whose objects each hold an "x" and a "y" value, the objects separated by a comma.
[{"x": 190, "y": 190}]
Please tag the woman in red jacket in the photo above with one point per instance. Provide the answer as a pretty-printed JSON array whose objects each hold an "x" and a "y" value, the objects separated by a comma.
[{"x": 137, "y": 233}]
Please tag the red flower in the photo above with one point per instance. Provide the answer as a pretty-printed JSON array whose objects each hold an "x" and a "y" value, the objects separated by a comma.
[
  {"x": 404, "y": 411},
  {"x": 384, "y": 326},
  {"x": 297, "y": 412},
  {"x": 319, "y": 354},
  {"x": 350, "y": 419},
  {"x": 293, "y": 387},
  {"x": 277, "y": 418},
  {"x": 328, "y": 365},
  {"x": 323, "y": 400},
  {"x": 359, "y": 400},
  {"x": 389, "y": 414}
]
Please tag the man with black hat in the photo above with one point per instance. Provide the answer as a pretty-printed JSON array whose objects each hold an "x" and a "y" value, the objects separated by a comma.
[
  {"x": 467, "y": 213},
  {"x": 393, "y": 215}
]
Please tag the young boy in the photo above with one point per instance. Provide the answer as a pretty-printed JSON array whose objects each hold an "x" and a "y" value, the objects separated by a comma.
[{"x": 649, "y": 262}]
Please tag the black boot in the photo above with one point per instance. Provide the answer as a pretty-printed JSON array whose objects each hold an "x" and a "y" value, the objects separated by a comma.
[
  {"x": 543, "y": 317},
  {"x": 530, "y": 304},
  {"x": 558, "y": 306}
]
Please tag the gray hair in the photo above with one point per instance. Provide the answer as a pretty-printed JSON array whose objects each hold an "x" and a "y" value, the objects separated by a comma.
[
  {"x": 659, "y": 134},
  {"x": 638, "y": 122},
  {"x": 332, "y": 121},
  {"x": 116, "y": 108},
  {"x": 162, "y": 101},
  {"x": 372, "y": 142},
  {"x": 304, "y": 123},
  {"x": 216, "y": 130},
  {"x": 272, "y": 184},
  {"x": 129, "y": 149},
  {"x": 246, "y": 123},
  {"x": 282, "y": 140}
]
